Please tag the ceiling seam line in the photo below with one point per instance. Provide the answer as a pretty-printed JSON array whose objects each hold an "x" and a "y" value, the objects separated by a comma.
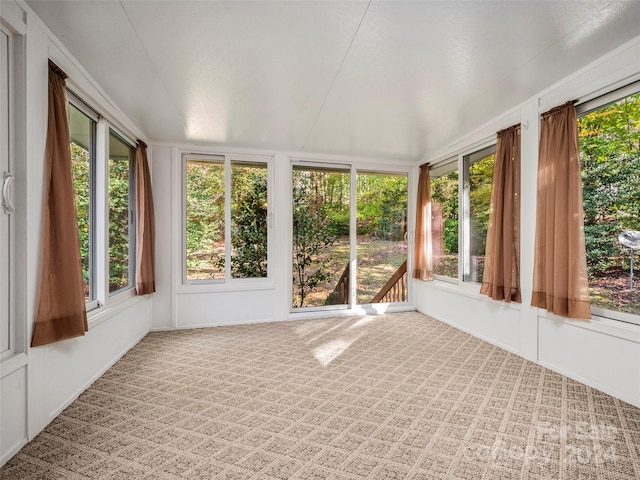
[
  {"x": 146, "y": 52},
  {"x": 335, "y": 77},
  {"x": 531, "y": 60}
]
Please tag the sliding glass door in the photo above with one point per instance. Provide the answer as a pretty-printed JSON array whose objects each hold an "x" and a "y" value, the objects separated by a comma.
[
  {"x": 321, "y": 248},
  {"x": 348, "y": 237},
  {"x": 381, "y": 237}
]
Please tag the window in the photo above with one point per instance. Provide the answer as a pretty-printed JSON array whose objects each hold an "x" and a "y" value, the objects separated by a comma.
[
  {"x": 463, "y": 229},
  {"x": 121, "y": 214},
  {"x": 249, "y": 206},
  {"x": 444, "y": 218},
  {"x": 226, "y": 218},
  {"x": 609, "y": 136},
  {"x": 82, "y": 129},
  {"x": 478, "y": 170},
  {"x": 102, "y": 163}
]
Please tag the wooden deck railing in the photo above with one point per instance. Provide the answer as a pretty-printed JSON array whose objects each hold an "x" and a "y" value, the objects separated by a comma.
[
  {"x": 340, "y": 294},
  {"x": 395, "y": 290}
]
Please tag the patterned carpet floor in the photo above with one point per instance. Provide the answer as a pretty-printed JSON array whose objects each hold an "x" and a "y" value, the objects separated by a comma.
[{"x": 399, "y": 396}]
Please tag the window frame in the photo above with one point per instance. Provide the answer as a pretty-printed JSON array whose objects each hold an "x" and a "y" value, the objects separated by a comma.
[
  {"x": 584, "y": 108},
  {"x": 463, "y": 161},
  {"x": 436, "y": 171},
  {"x": 467, "y": 161},
  {"x": 330, "y": 167},
  {"x": 132, "y": 217},
  {"x": 82, "y": 107},
  {"x": 228, "y": 160},
  {"x": 99, "y": 197}
]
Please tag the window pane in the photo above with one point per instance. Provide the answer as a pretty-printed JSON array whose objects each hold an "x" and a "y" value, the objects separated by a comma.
[
  {"x": 120, "y": 231},
  {"x": 444, "y": 223},
  {"x": 248, "y": 220},
  {"x": 82, "y": 130},
  {"x": 480, "y": 173},
  {"x": 381, "y": 247},
  {"x": 320, "y": 237},
  {"x": 610, "y": 160},
  {"x": 205, "y": 248}
]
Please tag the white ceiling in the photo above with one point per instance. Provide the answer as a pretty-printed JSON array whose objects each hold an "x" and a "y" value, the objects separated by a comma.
[{"x": 382, "y": 79}]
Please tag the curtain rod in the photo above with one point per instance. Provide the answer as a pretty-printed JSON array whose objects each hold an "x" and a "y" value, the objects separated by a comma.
[
  {"x": 505, "y": 130},
  {"x": 57, "y": 70},
  {"x": 560, "y": 107}
]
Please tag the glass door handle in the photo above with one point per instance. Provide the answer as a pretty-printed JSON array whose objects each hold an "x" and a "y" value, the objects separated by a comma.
[{"x": 7, "y": 193}]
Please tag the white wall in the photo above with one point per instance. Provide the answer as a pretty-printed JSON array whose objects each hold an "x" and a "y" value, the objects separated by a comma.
[
  {"x": 38, "y": 383},
  {"x": 188, "y": 306},
  {"x": 602, "y": 353},
  {"x": 191, "y": 306}
]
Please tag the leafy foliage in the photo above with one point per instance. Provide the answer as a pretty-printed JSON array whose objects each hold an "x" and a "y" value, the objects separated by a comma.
[
  {"x": 444, "y": 192},
  {"x": 119, "y": 232},
  {"x": 381, "y": 206},
  {"x": 313, "y": 235},
  {"x": 321, "y": 225},
  {"x": 205, "y": 219},
  {"x": 205, "y": 203},
  {"x": 480, "y": 179},
  {"x": 249, "y": 222},
  {"x": 80, "y": 167},
  {"x": 610, "y": 160}
]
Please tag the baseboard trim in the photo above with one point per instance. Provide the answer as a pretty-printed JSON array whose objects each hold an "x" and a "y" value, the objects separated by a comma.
[
  {"x": 101, "y": 372},
  {"x": 13, "y": 450}
]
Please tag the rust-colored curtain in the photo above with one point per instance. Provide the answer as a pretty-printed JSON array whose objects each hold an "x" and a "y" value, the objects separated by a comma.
[
  {"x": 61, "y": 312},
  {"x": 146, "y": 232},
  {"x": 501, "y": 277},
  {"x": 560, "y": 281},
  {"x": 422, "y": 264}
]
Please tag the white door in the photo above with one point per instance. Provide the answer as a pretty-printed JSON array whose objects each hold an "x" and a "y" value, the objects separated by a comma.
[{"x": 6, "y": 181}]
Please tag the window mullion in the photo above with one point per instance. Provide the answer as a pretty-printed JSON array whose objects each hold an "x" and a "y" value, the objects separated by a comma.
[
  {"x": 466, "y": 220},
  {"x": 93, "y": 218},
  {"x": 227, "y": 219},
  {"x": 132, "y": 218},
  {"x": 353, "y": 239},
  {"x": 101, "y": 231},
  {"x": 461, "y": 218}
]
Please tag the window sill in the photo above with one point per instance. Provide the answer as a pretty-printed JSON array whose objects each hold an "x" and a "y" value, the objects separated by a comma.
[
  {"x": 240, "y": 286},
  {"x": 613, "y": 315},
  {"x": 471, "y": 290},
  {"x": 605, "y": 326},
  {"x": 115, "y": 305}
]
